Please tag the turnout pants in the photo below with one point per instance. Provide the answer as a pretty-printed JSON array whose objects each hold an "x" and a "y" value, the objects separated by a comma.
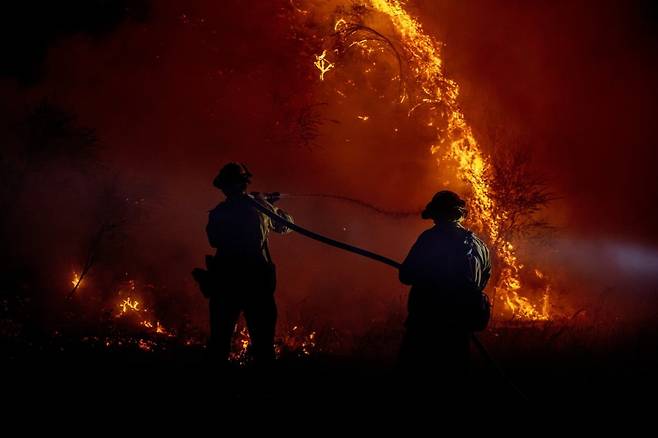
[
  {"x": 251, "y": 294},
  {"x": 434, "y": 350}
]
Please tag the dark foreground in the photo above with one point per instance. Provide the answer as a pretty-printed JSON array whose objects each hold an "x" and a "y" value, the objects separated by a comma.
[{"x": 542, "y": 373}]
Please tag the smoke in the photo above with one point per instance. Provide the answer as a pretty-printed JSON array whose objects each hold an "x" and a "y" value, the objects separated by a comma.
[
  {"x": 604, "y": 261},
  {"x": 30, "y": 28},
  {"x": 573, "y": 78},
  {"x": 634, "y": 259}
]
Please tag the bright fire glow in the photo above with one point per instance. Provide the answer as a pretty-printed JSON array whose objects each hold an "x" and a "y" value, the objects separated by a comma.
[
  {"x": 295, "y": 341},
  {"x": 76, "y": 281},
  {"x": 150, "y": 333},
  {"x": 132, "y": 306},
  {"x": 460, "y": 145},
  {"x": 457, "y": 143},
  {"x": 323, "y": 64},
  {"x": 128, "y": 305}
]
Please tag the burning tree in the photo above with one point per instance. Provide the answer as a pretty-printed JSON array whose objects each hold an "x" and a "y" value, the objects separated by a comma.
[
  {"x": 499, "y": 209},
  {"x": 114, "y": 210},
  {"x": 520, "y": 194},
  {"x": 57, "y": 198}
]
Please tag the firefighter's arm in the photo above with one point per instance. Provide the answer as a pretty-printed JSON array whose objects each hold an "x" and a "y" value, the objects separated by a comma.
[{"x": 275, "y": 226}]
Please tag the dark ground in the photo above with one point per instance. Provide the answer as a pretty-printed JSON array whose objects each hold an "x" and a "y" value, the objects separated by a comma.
[{"x": 551, "y": 368}]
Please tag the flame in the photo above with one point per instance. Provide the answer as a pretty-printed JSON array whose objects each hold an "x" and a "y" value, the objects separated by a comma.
[
  {"x": 149, "y": 334},
  {"x": 459, "y": 144},
  {"x": 339, "y": 24},
  {"x": 160, "y": 329},
  {"x": 76, "y": 280},
  {"x": 240, "y": 355},
  {"x": 323, "y": 64},
  {"x": 146, "y": 345},
  {"x": 296, "y": 342},
  {"x": 545, "y": 306},
  {"x": 456, "y": 142},
  {"x": 128, "y": 305}
]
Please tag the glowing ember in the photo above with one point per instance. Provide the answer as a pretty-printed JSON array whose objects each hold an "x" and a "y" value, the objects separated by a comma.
[
  {"x": 323, "y": 64},
  {"x": 160, "y": 329},
  {"x": 297, "y": 342},
  {"x": 240, "y": 352},
  {"x": 132, "y": 306},
  {"x": 76, "y": 281},
  {"x": 128, "y": 305}
]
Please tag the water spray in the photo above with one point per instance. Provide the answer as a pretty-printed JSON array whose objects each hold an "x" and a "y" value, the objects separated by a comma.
[{"x": 275, "y": 196}]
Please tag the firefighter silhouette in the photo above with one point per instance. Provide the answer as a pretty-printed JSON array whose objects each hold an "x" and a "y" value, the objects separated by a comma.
[
  {"x": 243, "y": 272},
  {"x": 446, "y": 262}
]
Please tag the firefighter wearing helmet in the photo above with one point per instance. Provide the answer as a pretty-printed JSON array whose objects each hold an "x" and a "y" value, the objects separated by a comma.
[
  {"x": 242, "y": 268},
  {"x": 446, "y": 264}
]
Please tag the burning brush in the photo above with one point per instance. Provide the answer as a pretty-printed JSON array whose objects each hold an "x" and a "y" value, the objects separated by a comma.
[{"x": 423, "y": 83}]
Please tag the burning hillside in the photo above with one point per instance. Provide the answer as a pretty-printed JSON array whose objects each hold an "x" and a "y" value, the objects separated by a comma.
[{"x": 371, "y": 28}]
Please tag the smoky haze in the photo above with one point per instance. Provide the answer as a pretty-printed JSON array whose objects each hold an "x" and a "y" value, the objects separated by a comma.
[{"x": 187, "y": 87}]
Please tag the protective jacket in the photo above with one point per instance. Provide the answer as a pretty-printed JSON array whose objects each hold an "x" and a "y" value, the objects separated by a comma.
[
  {"x": 239, "y": 232},
  {"x": 446, "y": 260}
]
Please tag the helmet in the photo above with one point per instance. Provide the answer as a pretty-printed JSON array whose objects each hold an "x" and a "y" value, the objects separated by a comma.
[
  {"x": 445, "y": 205},
  {"x": 232, "y": 174}
]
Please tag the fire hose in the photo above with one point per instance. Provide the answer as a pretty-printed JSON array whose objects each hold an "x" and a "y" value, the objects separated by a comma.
[
  {"x": 368, "y": 254},
  {"x": 320, "y": 238}
]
